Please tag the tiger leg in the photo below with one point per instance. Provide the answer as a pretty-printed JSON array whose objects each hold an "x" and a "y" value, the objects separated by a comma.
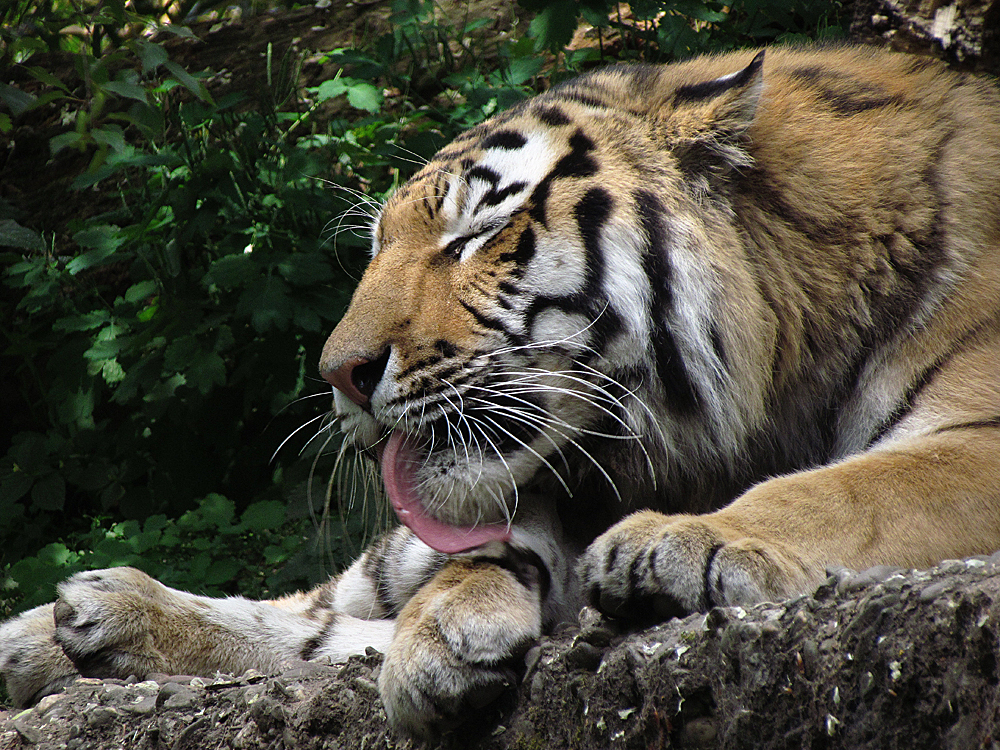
[
  {"x": 120, "y": 622},
  {"x": 459, "y": 639},
  {"x": 913, "y": 503}
]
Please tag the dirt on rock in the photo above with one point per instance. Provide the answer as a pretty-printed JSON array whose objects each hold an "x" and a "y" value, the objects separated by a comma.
[{"x": 882, "y": 659}]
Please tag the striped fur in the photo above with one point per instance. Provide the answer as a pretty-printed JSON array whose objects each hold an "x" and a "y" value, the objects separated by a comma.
[{"x": 696, "y": 332}]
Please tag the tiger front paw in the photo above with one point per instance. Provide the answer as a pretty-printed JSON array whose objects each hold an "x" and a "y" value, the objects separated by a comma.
[
  {"x": 105, "y": 621},
  {"x": 456, "y": 645},
  {"x": 651, "y": 566},
  {"x": 31, "y": 663}
]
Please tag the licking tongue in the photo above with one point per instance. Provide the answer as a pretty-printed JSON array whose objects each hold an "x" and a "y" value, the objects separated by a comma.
[{"x": 399, "y": 461}]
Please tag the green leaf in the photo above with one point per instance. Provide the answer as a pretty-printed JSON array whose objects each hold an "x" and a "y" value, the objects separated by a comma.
[
  {"x": 305, "y": 269},
  {"x": 206, "y": 370},
  {"x": 41, "y": 74},
  {"x": 180, "y": 352},
  {"x": 104, "y": 239},
  {"x": 83, "y": 322},
  {"x": 16, "y": 100},
  {"x": 58, "y": 142},
  {"x": 264, "y": 515},
  {"x": 330, "y": 89},
  {"x": 142, "y": 290},
  {"x": 14, "y": 486},
  {"x": 553, "y": 27},
  {"x": 217, "y": 510},
  {"x": 231, "y": 271},
  {"x": 221, "y": 571},
  {"x": 49, "y": 493},
  {"x": 127, "y": 89},
  {"x": 365, "y": 96},
  {"x": 152, "y": 55},
  {"x": 13, "y": 234},
  {"x": 110, "y": 136},
  {"x": 187, "y": 80},
  {"x": 268, "y": 304}
]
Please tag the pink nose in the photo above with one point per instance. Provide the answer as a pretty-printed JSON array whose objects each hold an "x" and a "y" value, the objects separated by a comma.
[
  {"x": 342, "y": 381},
  {"x": 357, "y": 378}
]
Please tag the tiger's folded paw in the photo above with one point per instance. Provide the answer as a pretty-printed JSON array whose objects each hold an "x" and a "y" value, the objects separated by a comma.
[
  {"x": 455, "y": 647},
  {"x": 31, "y": 662},
  {"x": 105, "y": 621},
  {"x": 652, "y": 567}
]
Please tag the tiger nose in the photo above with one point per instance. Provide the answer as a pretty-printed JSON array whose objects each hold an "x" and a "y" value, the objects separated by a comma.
[{"x": 358, "y": 378}]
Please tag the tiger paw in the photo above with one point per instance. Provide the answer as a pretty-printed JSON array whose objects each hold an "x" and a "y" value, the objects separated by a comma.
[
  {"x": 105, "y": 621},
  {"x": 651, "y": 566},
  {"x": 455, "y": 646},
  {"x": 31, "y": 663}
]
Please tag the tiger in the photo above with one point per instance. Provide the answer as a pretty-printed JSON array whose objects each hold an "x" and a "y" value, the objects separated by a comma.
[{"x": 660, "y": 339}]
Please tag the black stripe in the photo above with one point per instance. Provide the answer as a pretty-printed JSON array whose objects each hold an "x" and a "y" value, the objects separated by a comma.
[
  {"x": 508, "y": 140},
  {"x": 446, "y": 348},
  {"x": 312, "y": 645},
  {"x": 710, "y": 89},
  {"x": 492, "y": 324},
  {"x": 905, "y": 404},
  {"x": 551, "y": 116},
  {"x": 495, "y": 197},
  {"x": 577, "y": 96},
  {"x": 523, "y": 252},
  {"x": 577, "y": 163},
  {"x": 990, "y": 423},
  {"x": 709, "y": 601},
  {"x": 844, "y": 95},
  {"x": 526, "y": 566},
  {"x": 486, "y": 174},
  {"x": 420, "y": 364},
  {"x": 670, "y": 369},
  {"x": 591, "y": 214}
]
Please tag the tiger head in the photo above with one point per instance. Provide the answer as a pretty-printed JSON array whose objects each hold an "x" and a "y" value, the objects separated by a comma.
[{"x": 514, "y": 329}]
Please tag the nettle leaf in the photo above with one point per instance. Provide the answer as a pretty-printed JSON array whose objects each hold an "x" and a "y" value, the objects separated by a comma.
[
  {"x": 18, "y": 101},
  {"x": 360, "y": 94},
  {"x": 49, "y": 493},
  {"x": 267, "y": 303},
  {"x": 217, "y": 510},
  {"x": 264, "y": 515},
  {"x": 305, "y": 269},
  {"x": 365, "y": 96},
  {"x": 103, "y": 239},
  {"x": 126, "y": 89},
  {"x": 82, "y": 322},
  {"x": 14, "y": 486},
  {"x": 205, "y": 371},
  {"x": 221, "y": 571},
  {"x": 180, "y": 352},
  {"x": 231, "y": 271},
  {"x": 13, "y": 234},
  {"x": 111, "y": 136},
  {"x": 152, "y": 55},
  {"x": 553, "y": 27},
  {"x": 140, "y": 291}
]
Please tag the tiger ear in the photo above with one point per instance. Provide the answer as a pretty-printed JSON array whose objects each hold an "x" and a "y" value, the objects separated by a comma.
[{"x": 704, "y": 126}]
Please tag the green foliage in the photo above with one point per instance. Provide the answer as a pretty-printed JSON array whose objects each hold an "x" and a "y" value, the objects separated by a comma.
[
  {"x": 209, "y": 550},
  {"x": 675, "y": 29}
]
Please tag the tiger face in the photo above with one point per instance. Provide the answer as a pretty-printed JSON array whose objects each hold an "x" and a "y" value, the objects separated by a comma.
[{"x": 501, "y": 333}]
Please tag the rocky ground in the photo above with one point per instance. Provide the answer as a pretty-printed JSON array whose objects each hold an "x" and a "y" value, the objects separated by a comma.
[{"x": 881, "y": 659}]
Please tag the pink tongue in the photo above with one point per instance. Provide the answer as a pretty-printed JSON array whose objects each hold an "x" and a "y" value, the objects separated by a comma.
[{"x": 399, "y": 459}]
